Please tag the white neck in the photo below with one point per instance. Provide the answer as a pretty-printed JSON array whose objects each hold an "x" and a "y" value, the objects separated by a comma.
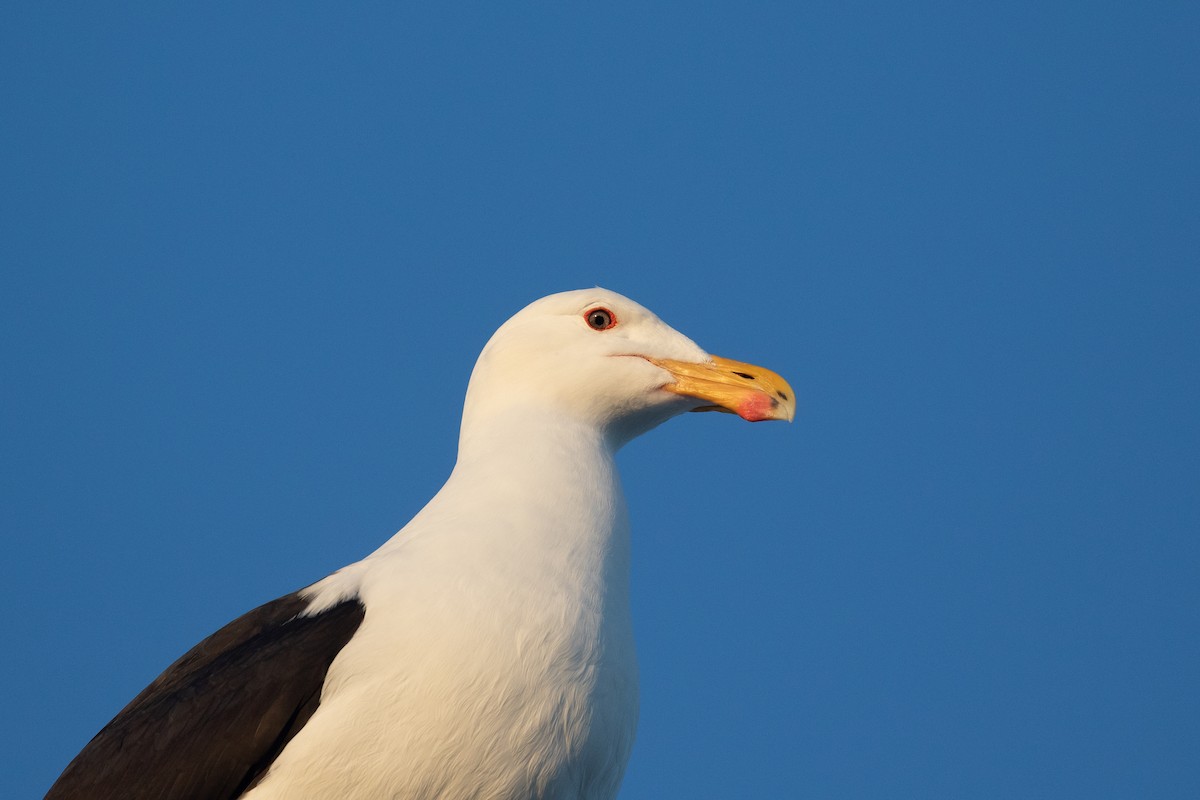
[
  {"x": 532, "y": 498},
  {"x": 535, "y": 491}
]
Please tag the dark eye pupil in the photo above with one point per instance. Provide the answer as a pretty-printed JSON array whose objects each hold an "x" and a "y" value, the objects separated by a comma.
[{"x": 599, "y": 319}]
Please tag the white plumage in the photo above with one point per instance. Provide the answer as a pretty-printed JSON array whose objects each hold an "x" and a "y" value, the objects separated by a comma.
[{"x": 496, "y": 657}]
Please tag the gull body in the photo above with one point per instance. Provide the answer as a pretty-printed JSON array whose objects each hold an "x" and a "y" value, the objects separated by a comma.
[{"x": 484, "y": 651}]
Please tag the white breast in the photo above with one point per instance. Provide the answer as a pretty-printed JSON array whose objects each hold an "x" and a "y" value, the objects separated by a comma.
[{"x": 496, "y": 657}]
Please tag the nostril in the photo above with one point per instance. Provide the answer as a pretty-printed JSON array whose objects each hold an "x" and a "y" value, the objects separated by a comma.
[
  {"x": 783, "y": 396},
  {"x": 745, "y": 375}
]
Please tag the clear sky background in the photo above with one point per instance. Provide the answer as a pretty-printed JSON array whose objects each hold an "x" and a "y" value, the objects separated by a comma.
[{"x": 250, "y": 252}]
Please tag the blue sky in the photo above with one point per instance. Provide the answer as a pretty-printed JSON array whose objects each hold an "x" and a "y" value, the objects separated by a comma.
[{"x": 249, "y": 254}]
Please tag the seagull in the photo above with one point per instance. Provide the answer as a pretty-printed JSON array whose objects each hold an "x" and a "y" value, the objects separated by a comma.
[{"x": 484, "y": 651}]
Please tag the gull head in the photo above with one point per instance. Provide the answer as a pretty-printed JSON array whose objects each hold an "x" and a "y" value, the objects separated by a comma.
[{"x": 603, "y": 360}]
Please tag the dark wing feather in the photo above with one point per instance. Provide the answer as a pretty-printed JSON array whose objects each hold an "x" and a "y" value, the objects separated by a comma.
[{"x": 213, "y": 722}]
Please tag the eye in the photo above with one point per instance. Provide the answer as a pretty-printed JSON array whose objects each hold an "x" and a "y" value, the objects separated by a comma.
[{"x": 600, "y": 319}]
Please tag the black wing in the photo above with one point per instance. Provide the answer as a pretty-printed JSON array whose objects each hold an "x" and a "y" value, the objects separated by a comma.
[{"x": 213, "y": 722}]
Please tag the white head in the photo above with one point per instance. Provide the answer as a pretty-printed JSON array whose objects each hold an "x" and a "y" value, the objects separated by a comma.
[{"x": 610, "y": 363}]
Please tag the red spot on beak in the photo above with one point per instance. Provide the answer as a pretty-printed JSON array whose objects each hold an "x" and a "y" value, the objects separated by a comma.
[{"x": 756, "y": 408}]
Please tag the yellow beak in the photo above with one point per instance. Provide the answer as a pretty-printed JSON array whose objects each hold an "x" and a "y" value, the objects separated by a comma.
[{"x": 753, "y": 393}]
